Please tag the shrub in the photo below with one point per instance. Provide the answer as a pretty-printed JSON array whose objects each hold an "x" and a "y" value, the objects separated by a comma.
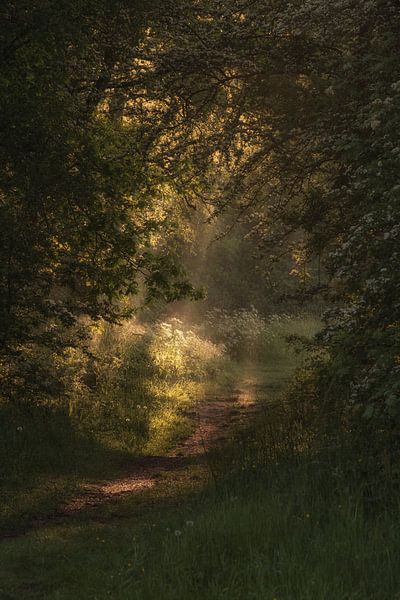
[
  {"x": 247, "y": 334},
  {"x": 143, "y": 378}
]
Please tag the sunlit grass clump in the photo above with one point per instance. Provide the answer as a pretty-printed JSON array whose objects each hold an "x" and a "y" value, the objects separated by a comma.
[
  {"x": 128, "y": 396},
  {"x": 180, "y": 352},
  {"x": 146, "y": 377}
]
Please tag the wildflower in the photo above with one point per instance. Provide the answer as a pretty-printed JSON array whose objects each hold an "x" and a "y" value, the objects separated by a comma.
[
  {"x": 178, "y": 533},
  {"x": 189, "y": 523},
  {"x": 20, "y": 428},
  {"x": 127, "y": 419}
]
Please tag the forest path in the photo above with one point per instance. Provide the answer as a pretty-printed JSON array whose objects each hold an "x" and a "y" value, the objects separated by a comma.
[
  {"x": 146, "y": 481},
  {"x": 214, "y": 418}
]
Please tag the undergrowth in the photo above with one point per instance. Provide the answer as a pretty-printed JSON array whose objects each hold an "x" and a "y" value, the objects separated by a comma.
[
  {"x": 129, "y": 395},
  {"x": 249, "y": 335},
  {"x": 288, "y": 513}
]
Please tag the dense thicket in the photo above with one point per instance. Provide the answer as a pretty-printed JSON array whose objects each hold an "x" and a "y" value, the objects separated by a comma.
[
  {"x": 81, "y": 207},
  {"x": 305, "y": 131},
  {"x": 119, "y": 117}
]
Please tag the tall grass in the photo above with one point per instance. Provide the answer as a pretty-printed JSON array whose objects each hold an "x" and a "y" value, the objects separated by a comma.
[
  {"x": 145, "y": 380},
  {"x": 127, "y": 397},
  {"x": 288, "y": 511},
  {"x": 283, "y": 517}
]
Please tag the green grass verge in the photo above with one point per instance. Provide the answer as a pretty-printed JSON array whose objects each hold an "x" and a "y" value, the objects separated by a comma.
[
  {"x": 247, "y": 528},
  {"x": 284, "y": 535},
  {"x": 46, "y": 456}
]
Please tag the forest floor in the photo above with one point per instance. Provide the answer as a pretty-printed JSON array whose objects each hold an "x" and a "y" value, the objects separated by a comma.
[
  {"x": 215, "y": 518},
  {"x": 143, "y": 487},
  {"x": 214, "y": 419}
]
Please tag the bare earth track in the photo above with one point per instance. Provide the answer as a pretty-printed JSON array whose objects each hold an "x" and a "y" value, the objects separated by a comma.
[
  {"x": 213, "y": 421},
  {"x": 214, "y": 418}
]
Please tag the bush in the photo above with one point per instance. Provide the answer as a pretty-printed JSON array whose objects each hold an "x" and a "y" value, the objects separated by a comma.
[
  {"x": 246, "y": 334},
  {"x": 143, "y": 378}
]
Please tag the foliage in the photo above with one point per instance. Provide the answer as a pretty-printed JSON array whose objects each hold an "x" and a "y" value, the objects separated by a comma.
[
  {"x": 131, "y": 397},
  {"x": 122, "y": 119},
  {"x": 179, "y": 352},
  {"x": 248, "y": 335},
  {"x": 226, "y": 262},
  {"x": 142, "y": 380},
  {"x": 299, "y": 110},
  {"x": 83, "y": 214}
]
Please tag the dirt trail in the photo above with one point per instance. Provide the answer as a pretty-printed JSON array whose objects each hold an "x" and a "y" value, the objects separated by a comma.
[{"x": 213, "y": 420}]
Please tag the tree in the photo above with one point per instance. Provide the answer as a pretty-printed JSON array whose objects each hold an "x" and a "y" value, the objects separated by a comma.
[
  {"x": 298, "y": 105},
  {"x": 82, "y": 209}
]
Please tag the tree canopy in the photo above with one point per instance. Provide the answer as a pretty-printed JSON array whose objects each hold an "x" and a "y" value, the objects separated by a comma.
[{"x": 120, "y": 119}]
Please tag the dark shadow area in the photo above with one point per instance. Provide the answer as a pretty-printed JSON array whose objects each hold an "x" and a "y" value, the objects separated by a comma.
[{"x": 44, "y": 456}]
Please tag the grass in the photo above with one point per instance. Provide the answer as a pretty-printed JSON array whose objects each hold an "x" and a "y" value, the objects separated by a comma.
[
  {"x": 267, "y": 517},
  {"x": 145, "y": 382},
  {"x": 45, "y": 458},
  {"x": 248, "y": 335},
  {"x": 281, "y": 533},
  {"x": 248, "y": 528}
]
